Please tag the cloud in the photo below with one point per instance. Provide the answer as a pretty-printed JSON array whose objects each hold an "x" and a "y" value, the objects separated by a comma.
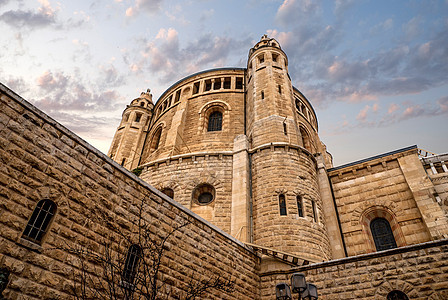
[
  {"x": 341, "y": 6},
  {"x": 362, "y": 115},
  {"x": 206, "y": 15},
  {"x": 292, "y": 11},
  {"x": 110, "y": 77},
  {"x": 147, "y": 6},
  {"x": 165, "y": 56},
  {"x": 412, "y": 28},
  {"x": 64, "y": 93},
  {"x": 392, "y": 108},
  {"x": 44, "y": 16},
  {"x": 382, "y": 27}
]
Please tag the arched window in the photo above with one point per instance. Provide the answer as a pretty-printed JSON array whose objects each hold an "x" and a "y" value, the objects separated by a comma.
[
  {"x": 282, "y": 204},
  {"x": 40, "y": 219},
  {"x": 156, "y": 139},
  {"x": 215, "y": 121},
  {"x": 131, "y": 264},
  {"x": 169, "y": 192},
  {"x": 299, "y": 206},
  {"x": 397, "y": 295},
  {"x": 382, "y": 234},
  {"x": 306, "y": 141}
]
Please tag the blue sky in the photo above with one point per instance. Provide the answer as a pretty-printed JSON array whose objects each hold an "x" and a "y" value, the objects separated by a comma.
[{"x": 376, "y": 72}]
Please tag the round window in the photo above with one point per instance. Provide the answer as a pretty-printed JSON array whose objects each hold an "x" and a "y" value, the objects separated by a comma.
[
  {"x": 204, "y": 194},
  {"x": 205, "y": 198}
]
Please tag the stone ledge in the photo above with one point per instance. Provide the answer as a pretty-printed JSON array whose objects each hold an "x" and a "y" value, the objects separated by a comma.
[
  {"x": 374, "y": 160},
  {"x": 362, "y": 257}
]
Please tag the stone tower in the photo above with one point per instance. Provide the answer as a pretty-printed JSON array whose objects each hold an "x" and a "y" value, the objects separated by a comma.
[
  {"x": 126, "y": 147},
  {"x": 287, "y": 207}
]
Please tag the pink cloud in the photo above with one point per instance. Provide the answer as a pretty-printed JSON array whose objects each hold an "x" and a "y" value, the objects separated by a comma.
[
  {"x": 392, "y": 108},
  {"x": 362, "y": 115}
]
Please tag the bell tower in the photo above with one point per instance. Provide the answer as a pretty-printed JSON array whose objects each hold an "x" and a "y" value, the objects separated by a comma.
[
  {"x": 126, "y": 147},
  {"x": 286, "y": 204}
]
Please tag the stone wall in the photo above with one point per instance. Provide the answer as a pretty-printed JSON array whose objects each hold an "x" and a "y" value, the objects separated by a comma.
[
  {"x": 377, "y": 188},
  {"x": 184, "y": 123},
  {"x": 184, "y": 172},
  {"x": 420, "y": 271},
  {"x": 280, "y": 169},
  {"x": 40, "y": 159}
]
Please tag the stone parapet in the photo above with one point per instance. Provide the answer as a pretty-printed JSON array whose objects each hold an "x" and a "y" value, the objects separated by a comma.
[{"x": 420, "y": 271}]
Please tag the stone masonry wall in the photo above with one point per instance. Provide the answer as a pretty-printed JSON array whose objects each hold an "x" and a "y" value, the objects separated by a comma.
[
  {"x": 183, "y": 173},
  {"x": 40, "y": 159},
  {"x": 288, "y": 171},
  {"x": 378, "y": 185},
  {"x": 420, "y": 271}
]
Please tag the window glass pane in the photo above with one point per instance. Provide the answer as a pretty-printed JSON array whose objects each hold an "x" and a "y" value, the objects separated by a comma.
[
  {"x": 282, "y": 204},
  {"x": 39, "y": 221},
  {"x": 215, "y": 121},
  {"x": 382, "y": 234}
]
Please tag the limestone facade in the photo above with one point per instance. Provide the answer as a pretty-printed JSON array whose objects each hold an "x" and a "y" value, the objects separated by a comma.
[
  {"x": 40, "y": 159},
  {"x": 236, "y": 153}
]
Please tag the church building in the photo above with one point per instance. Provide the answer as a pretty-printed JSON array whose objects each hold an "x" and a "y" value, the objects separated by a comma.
[{"x": 236, "y": 153}]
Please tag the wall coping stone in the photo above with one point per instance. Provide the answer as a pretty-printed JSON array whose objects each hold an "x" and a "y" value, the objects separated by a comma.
[
  {"x": 398, "y": 151},
  {"x": 361, "y": 257}
]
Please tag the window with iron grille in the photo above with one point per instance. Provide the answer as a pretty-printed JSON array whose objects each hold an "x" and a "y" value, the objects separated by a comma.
[
  {"x": 215, "y": 121},
  {"x": 131, "y": 264},
  {"x": 382, "y": 234},
  {"x": 40, "y": 219}
]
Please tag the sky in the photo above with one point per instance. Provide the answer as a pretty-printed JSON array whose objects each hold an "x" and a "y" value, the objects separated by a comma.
[{"x": 376, "y": 72}]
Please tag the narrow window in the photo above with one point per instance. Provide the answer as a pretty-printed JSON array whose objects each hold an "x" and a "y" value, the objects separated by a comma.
[
  {"x": 279, "y": 89},
  {"x": 261, "y": 58},
  {"x": 126, "y": 117},
  {"x": 177, "y": 97},
  {"x": 274, "y": 57},
  {"x": 169, "y": 192},
  {"x": 299, "y": 108},
  {"x": 217, "y": 84},
  {"x": 123, "y": 161},
  {"x": 131, "y": 264},
  {"x": 208, "y": 85},
  {"x": 169, "y": 100},
  {"x": 40, "y": 219},
  {"x": 262, "y": 94},
  {"x": 282, "y": 204},
  {"x": 382, "y": 234},
  {"x": 165, "y": 104},
  {"x": 285, "y": 129},
  {"x": 215, "y": 121},
  {"x": 196, "y": 87},
  {"x": 227, "y": 82},
  {"x": 313, "y": 204},
  {"x": 138, "y": 116},
  {"x": 142, "y": 104},
  {"x": 299, "y": 206},
  {"x": 156, "y": 139},
  {"x": 306, "y": 141},
  {"x": 239, "y": 83}
]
